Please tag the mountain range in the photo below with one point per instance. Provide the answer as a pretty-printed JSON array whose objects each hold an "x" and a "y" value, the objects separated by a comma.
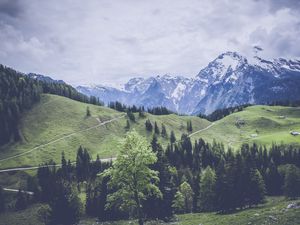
[{"x": 229, "y": 80}]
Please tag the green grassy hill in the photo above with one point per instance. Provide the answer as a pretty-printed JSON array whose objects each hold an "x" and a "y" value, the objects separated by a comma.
[
  {"x": 261, "y": 124},
  {"x": 59, "y": 124}
]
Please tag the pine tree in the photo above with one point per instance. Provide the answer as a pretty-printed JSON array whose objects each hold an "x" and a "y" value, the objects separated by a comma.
[
  {"x": 207, "y": 189},
  {"x": 130, "y": 115},
  {"x": 127, "y": 127},
  {"x": 88, "y": 112},
  {"x": 164, "y": 133},
  {"x": 189, "y": 126},
  {"x": 156, "y": 129},
  {"x": 148, "y": 125},
  {"x": 172, "y": 137},
  {"x": 257, "y": 188},
  {"x": 2, "y": 200},
  {"x": 183, "y": 201},
  {"x": 21, "y": 202},
  {"x": 292, "y": 182}
]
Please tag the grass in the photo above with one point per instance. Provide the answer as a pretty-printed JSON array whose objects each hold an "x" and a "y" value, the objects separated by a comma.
[
  {"x": 57, "y": 116},
  {"x": 264, "y": 121},
  {"x": 274, "y": 211}
]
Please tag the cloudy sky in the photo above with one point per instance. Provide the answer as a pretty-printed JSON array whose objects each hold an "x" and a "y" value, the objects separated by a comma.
[{"x": 105, "y": 41}]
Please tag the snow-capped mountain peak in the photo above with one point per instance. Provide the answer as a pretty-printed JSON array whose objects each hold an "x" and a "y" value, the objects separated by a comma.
[{"x": 229, "y": 80}]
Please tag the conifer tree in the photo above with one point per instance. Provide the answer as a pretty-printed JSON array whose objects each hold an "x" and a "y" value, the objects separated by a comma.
[
  {"x": 164, "y": 133},
  {"x": 21, "y": 202},
  {"x": 127, "y": 127},
  {"x": 2, "y": 200},
  {"x": 88, "y": 111},
  {"x": 148, "y": 125},
  {"x": 207, "y": 189},
  {"x": 172, "y": 137},
  {"x": 292, "y": 182},
  {"x": 156, "y": 129}
]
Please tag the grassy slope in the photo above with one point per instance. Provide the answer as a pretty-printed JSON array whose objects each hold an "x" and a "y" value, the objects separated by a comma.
[
  {"x": 56, "y": 116},
  {"x": 273, "y": 212},
  {"x": 263, "y": 120}
]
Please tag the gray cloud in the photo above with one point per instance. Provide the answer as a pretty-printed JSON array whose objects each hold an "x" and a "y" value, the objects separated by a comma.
[{"x": 107, "y": 40}]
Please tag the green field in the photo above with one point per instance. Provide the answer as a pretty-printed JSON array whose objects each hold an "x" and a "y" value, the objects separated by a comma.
[
  {"x": 59, "y": 124},
  {"x": 262, "y": 124},
  {"x": 56, "y": 117},
  {"x": 274, "y": 211}
]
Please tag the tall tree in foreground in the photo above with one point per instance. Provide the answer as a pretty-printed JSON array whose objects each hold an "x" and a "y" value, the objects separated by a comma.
[{"x": 131, "y": 176}]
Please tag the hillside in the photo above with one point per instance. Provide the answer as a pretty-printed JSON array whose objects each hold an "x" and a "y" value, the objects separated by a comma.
[
  {"x": 59, "y": 124},
  {"x": 261, "y": 124}
]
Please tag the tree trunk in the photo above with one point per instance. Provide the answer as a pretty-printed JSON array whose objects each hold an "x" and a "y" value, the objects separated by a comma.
[{"x": 139, "y": 210}]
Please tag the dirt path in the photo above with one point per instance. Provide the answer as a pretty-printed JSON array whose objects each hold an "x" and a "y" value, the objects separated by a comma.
[
  {"x": 61, "y": 138},
  {"x": 199, "y": 131},
  {"x": 15, "y": 190},
  {"x": 36, "y": 167}
]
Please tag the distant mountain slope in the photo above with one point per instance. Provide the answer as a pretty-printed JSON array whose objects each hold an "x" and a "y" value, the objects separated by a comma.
[{"x": 227, "y": 81}]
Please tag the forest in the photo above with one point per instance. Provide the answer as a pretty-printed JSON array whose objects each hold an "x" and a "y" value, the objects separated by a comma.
[
  {"x": 19, "y": 93},
  {"x": 148, "y": 182}
]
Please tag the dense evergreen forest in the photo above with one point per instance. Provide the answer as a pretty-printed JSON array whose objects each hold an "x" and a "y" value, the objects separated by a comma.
[
  {"x": 186, "y": 178},
  {"x": 18, "y": 93},
  {"x": 160, "y": 110}
]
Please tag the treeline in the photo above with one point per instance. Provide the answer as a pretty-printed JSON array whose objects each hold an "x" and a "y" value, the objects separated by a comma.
[
  {"x": 18, "y": 93},
  {"x": 160, "y": 110},
  {"x": 221, "y": 113},
  {"x": 195, "y": 177},
  {"x": 287, "y": 102}
]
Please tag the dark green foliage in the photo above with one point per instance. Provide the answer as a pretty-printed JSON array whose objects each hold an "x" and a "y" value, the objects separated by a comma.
[
  {"x": 172, "y": 137},
  {"x": 83, "y": 164},
  {"x": 130, "y": 115},
  {"x": 189, "y": 126},
  {"x": 21, "y": 201},
  {"x": 2, "y": 200},
  {"x": 292, "y": 181},
  {"x": 66, "y": 207},
  {"x": 156, "y": 129},
  {"x": 127, "y": 127},
  {"x": 164, "y": 133},
  {"x": 148, "y": 125},
  {"x": 17, "y": 93},
  {"x": 160, "y": 111},
  {"x": 88, "y": 112},
  {"x": 220, "y": 113}
]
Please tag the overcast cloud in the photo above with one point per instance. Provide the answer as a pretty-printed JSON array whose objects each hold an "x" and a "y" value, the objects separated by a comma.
[{"x": 99, "y": 41}]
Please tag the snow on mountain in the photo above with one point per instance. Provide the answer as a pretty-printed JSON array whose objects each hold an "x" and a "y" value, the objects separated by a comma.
[{"x": 229, "y": 80}]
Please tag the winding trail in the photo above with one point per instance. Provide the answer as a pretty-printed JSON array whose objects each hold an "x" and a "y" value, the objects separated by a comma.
[
  {"x": 15, "y": 190},
  {"x": 199, "y": 131},
  {"x": 43, "y": 166},
  {"x": 61, "y": 138}
]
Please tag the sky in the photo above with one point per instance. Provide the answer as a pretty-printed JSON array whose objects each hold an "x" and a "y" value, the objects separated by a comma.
[{"x": 111, "y": 41}]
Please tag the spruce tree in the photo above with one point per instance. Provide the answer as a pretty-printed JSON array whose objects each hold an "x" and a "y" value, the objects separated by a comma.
[
  {"x": 156, "y": 129},
  {"x": 172, "y": 137},
  {"x": 2, "y": 200},
  {"x": 88, "y": 112},
  {"x": 164, "y": 131},
  {"x": 292, "y": 182},
  {"x": 148, "y": 125},
  {"x": 21, "y": 202},
  {"x": 127, "y": 127},
  {"x": 207, "y": 189}
]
